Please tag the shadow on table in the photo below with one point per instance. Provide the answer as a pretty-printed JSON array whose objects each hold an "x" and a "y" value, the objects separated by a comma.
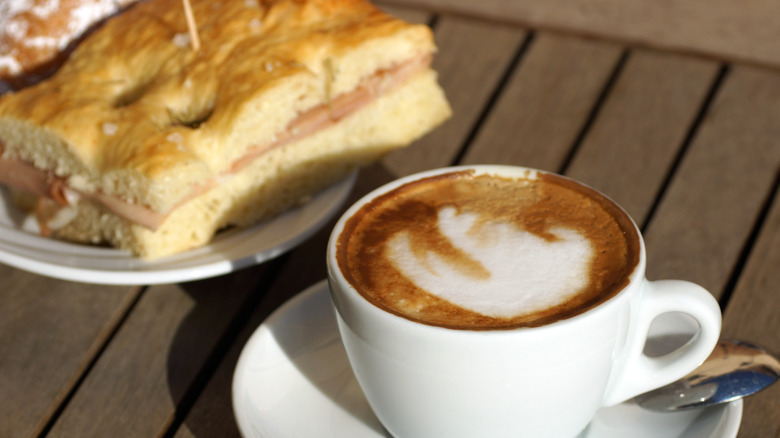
[
  {"x": 206, "y": 346},
  {"x": 200, "y": 363}
]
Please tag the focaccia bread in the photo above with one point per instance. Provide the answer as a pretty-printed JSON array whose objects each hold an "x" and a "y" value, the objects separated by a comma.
[{"x": 146, "y": 144}]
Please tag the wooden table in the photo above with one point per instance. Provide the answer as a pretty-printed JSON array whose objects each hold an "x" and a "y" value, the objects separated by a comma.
[{"x": 671, "y": 108}]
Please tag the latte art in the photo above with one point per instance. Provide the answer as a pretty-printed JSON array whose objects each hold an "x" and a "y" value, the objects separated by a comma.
[
  {"x": 481, "y": 251},
  {"x": 512, "y": 271}
]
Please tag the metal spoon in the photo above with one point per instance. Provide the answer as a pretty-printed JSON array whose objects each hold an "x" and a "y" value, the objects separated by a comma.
[{"x": 735, "y": 369}]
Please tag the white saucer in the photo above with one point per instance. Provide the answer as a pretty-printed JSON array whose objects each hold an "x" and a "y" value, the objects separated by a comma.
[
  {"x": 293, "y": 380},
  {"x": 21, "y": 246}
]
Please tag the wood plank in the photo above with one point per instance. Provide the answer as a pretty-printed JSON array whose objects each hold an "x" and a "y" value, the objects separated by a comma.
[
  {"x": 50, "y": 331},
  {"x": 156, "y": 357},
  {"x": 471, "y": 60},
  {"x": 752, "y": 315},
  {"x": 537, "y": 119},
  {"x": 705, "y": 218},
  {"x": 723, "y": 29},
  {"x": 641, "y": 127}
]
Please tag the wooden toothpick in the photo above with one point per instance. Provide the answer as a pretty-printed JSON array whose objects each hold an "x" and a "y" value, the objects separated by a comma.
[{"x": 193, "y": 28}]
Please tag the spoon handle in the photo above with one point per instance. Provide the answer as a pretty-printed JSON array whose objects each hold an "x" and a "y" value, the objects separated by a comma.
[{"x": 734, "y": 370}]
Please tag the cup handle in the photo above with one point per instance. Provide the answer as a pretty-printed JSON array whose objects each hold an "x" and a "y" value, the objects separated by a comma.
[{"x": 641, "y": 373}]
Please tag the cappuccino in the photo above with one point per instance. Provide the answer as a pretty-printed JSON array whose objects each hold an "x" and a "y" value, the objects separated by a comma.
[{"x": 480, "y": 251}]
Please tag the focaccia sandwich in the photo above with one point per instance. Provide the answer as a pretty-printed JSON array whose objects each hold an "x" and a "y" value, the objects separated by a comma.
[{"x": 143, "y": 143}]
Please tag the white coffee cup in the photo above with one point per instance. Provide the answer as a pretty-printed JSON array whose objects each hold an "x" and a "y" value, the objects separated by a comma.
[{"x": 429, "y": 381}]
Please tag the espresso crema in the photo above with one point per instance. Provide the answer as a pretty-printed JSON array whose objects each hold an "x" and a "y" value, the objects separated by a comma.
[{"x": 476, "y": 251}]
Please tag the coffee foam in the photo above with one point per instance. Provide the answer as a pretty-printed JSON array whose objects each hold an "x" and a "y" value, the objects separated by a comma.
[
  {"x": 515, "y": 272},
  {"x": 472, "y": 251}
]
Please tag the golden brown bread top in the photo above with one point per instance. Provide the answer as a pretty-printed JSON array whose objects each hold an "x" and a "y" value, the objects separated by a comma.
[{"x": 137, "y": 113}]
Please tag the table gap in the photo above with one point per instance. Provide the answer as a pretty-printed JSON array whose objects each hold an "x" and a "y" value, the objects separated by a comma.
[
  {"x": 750, "y": 242},
  {"x": 109, "y": 332},
  {"x": 433, "y": 21},
  {"x": 717, "y": 84},
  {"x": 223, "y": 345},
  {"x": 494, "y": 96},
  {"x": 595, "y": 110}
]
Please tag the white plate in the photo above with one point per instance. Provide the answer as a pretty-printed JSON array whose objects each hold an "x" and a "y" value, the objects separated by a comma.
[
  {"x": 21, "y": 246},
  {"x": 293, "y": 380}
]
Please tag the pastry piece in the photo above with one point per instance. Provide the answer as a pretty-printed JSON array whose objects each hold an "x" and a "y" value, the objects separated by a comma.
[
  {"x": 145, "y": 144},
  {"x": 36, "y": 35}
]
